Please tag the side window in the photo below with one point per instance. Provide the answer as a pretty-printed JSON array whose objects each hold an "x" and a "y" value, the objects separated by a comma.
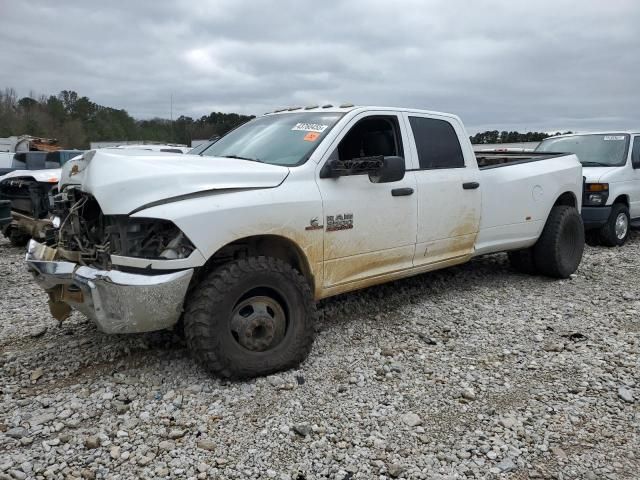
[
  {"x": 635, "y": 153},
  {"x": 437, "y": 143},
  {"x": 371, "y": 137}
]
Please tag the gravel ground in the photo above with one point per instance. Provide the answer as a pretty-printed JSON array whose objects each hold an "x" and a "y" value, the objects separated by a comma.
[{"x": 471, "y": 372}]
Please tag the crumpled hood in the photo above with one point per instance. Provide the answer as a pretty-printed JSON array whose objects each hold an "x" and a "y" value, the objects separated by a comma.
[
  {"x": 50, "y": 175},
  {"x": 123, "y": 181},
  {"x": 598, "y": 174}
]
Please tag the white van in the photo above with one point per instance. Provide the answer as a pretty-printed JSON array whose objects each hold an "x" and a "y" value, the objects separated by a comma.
[{"x": 611, "y": 168}]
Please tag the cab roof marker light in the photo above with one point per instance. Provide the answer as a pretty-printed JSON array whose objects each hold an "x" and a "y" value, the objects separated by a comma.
[
  {"x": 347, "y": 105},
  {"x": 327, "y": 106},
  {"x": 311, "y": 107},
  {"x": 291, "y": 109}
]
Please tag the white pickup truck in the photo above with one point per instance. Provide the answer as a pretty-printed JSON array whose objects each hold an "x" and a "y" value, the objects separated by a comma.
[
  {"x": 290, "y": 208},
  {"x": 611, "y": 161}
]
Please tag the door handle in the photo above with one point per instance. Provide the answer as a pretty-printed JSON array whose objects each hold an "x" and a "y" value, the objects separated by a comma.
[
  {"x": 401, "y": 192},
  {"x": 470, "y": 185}
]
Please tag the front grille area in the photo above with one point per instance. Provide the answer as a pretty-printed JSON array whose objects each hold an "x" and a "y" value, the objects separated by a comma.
[{"x": 93, "y": 237}]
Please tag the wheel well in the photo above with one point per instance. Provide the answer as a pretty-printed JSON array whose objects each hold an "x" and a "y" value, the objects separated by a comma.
[
  {"x": 624, "y": 199},
  {"x": 568, "y": 199},
  {"x": 267, "y": 245}
]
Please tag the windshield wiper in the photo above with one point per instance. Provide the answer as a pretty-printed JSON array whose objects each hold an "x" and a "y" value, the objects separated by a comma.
[
  {"x": 242, "y": 158},
  {"x": 595, "y": 164}
]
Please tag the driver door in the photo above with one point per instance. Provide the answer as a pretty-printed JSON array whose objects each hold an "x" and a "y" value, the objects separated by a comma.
[{"x": 369, "y": 228}]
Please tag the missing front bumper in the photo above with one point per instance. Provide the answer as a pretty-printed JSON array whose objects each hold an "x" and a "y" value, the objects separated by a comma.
[{"x": 117, "y": 302}]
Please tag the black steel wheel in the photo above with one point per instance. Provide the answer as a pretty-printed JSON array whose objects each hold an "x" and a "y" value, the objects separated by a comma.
[{"x": 251, "y": 317}]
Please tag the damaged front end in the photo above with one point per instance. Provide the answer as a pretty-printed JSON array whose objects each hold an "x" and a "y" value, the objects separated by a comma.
[
  {"x": 87, "y": 236},
  {"x": 118, "y": 302},
  {"x": 77, "y": 272}
]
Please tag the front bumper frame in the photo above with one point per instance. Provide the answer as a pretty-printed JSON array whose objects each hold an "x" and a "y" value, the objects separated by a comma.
[{"x": 118, "y": 302}]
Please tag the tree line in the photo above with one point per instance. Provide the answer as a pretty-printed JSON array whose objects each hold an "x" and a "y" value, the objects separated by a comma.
[
  {"x": 75, "y": 121},
  {"x": 494, "y": 136}
]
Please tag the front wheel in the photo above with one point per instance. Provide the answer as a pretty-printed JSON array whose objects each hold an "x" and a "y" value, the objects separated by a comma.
[
  {"x": 251, "y": 317},
  {"x": 615, "y": 232},
  {"x": 558, "y": 251}
]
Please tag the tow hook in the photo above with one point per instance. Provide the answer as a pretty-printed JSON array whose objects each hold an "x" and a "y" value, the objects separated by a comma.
[{"x": 58, "y": 298}]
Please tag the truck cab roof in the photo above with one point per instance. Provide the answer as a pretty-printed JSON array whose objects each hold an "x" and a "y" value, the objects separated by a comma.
[{"x": 345, "y": 108}]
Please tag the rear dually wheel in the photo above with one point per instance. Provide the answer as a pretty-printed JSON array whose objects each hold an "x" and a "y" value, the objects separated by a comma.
[{"x": 558, "y": 251}]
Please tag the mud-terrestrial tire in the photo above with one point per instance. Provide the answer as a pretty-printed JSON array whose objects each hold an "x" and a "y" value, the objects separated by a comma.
[
  {"x": 615, "y": 232},
  {"x": 250, "y": 317},
  {"x": 17, "y": 238},
  {"x": 558, "y": 251},
  {"x": 522, "y": 261}
]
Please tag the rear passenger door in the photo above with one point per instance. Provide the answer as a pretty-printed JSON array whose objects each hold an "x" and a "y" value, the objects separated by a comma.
[{"x": 449, "y": 199}]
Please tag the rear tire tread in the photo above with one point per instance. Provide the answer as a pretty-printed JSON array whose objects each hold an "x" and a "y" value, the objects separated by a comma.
[{"x": 548, "y": 252}]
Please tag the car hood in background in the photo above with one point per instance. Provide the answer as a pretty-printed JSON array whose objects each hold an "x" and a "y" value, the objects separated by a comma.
[
  {"x": 599, "y": 174},
  {"x": 50, "y": 175}
]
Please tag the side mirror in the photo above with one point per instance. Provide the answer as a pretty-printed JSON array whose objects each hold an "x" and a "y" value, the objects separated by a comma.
[
  {"x": 392, "y": 170},
  {"x": 380, "y": 169}
]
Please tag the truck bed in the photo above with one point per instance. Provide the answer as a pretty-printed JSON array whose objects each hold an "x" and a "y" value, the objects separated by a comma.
[
  {"x": 516, "y": 201},
  {"x": 488, "y": 160}
]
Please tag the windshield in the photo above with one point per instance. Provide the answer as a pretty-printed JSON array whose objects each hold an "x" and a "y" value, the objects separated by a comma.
[
  {"x": 592, "y": 150},
  {"x": 281, "y": 139}
]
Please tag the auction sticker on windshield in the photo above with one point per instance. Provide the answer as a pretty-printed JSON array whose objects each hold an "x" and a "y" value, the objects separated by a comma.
[
  {"x": 310, "y": 127},
  {"x": 614, "y": 137},
  {"x": 311, "y": 136}
]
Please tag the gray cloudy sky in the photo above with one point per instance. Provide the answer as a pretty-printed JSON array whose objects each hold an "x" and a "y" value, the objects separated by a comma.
[{"x": 501, "y": 64}]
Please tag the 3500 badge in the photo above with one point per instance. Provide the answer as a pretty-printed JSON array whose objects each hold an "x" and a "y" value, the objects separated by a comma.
[{"x": 339, "y": 222}]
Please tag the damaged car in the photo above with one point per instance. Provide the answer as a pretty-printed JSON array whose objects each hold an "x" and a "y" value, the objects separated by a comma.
[
  {"x": 290, "y": 208},
  {"x": 28, "y": 187}
]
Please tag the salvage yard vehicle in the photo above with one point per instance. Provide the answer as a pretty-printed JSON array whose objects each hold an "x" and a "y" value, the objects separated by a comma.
[
  {"x": 611, "y": 167},
  {"x": 290, "y": 208},
  {"x": 28, "y": 189}
]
